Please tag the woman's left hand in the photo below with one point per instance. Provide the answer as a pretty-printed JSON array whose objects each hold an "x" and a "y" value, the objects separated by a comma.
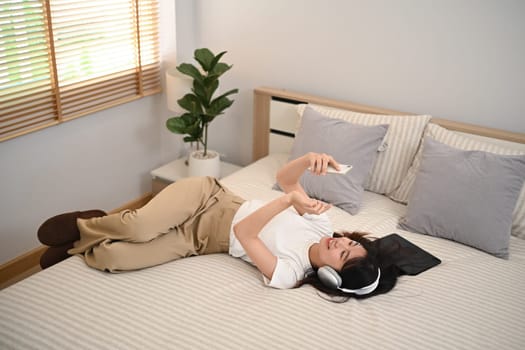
[{"x": 305, "y": 204}]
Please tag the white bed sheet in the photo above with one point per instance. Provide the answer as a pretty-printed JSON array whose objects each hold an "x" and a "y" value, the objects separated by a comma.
[{"x": 471, "y": 301}]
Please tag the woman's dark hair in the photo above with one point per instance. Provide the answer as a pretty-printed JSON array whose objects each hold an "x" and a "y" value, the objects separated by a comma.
[{"x": 359, "y": 272}]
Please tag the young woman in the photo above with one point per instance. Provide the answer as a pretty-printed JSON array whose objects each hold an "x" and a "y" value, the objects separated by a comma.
[{"x": 288, "y": 239}]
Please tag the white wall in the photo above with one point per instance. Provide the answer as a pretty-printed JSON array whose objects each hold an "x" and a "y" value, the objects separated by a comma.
[
  {"x": 455, "y": 59},
  {"x": 97, "y": 161}
]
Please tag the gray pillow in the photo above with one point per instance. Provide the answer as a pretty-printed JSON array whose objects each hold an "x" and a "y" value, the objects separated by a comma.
[
  {"x": 348, "y": 143},
  {"x": 465, "y": 196}
]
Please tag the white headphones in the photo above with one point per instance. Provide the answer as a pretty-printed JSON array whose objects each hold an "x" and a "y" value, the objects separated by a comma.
[{"x": 330, "y": 278}]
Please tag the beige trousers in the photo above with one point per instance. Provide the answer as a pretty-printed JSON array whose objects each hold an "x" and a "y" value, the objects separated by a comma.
[{"x": 192, "y": 216}]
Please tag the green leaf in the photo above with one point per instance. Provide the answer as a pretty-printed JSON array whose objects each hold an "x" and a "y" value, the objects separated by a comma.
[
  {"x": 195, "y": 131},
  {"x": 210, "y": 79},
  {"x": 208, "y": 118},
  {"x": 190, "y": 119},
  {"x": 211, "y": 88},
  {"x": 216, "y": 60},
  {"x": 200, "y": 90},
  {"x": 220, "y": 69},
  {"x": 191, "y": 103},
  {"x": 196, "y": 134},
  {"x": 218, "y": 105},
  {"x": 233, "y": 91},
  {"x": 191, "y": 70},
  {"x": 205, "y": 58},
  {"x": 190, "y": 139},
  {"x": 176, "y": 125}
]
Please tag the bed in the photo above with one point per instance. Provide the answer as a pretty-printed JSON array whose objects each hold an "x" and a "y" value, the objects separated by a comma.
[{"x": 472, "y": 300}]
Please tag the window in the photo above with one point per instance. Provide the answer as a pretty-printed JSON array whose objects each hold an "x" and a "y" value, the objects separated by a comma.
[{"x": 62, "y": 59}]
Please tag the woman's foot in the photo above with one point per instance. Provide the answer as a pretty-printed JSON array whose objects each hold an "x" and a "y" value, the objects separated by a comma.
[
  {"x": 62, "y": 229},
  {"x": 55, "y": 255}
]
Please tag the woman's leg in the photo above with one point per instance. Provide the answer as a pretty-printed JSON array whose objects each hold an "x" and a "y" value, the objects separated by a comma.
[
  {"x": 169, "y": 209},
  {"x": 115, "y": 256},
  {"x": 206, "y": 233}
]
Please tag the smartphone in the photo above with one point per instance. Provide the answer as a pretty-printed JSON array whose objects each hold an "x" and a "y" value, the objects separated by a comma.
[{"x": 343, "y": 169}]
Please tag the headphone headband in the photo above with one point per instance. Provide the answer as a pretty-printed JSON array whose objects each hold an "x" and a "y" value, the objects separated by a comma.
[
  {"x": 331, "y": 278},
  {"x": 366, "y": 289}
]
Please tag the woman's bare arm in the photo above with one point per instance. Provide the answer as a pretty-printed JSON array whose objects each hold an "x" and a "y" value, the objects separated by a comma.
[
  {"x": 247, "y": 230},
  {"x": 288, "y": 176}
]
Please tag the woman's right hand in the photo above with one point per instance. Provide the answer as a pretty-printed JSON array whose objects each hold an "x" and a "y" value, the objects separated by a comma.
[{"x": 319, "y": 162}]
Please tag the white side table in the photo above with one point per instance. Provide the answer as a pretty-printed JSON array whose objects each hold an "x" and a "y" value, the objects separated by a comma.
[{"x": 175, "y": 170}]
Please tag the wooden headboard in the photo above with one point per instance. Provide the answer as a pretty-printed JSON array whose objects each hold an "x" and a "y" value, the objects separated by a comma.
[{"x": 264, "y": 96}]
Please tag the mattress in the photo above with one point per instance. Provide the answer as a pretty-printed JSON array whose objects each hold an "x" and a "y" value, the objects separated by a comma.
[{"x": 472, "y": 300}]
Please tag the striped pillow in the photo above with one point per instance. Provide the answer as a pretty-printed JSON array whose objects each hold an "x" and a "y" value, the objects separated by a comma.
[
  {"x": 467, "y": 143},
  {"x": 401, "y": 141}
]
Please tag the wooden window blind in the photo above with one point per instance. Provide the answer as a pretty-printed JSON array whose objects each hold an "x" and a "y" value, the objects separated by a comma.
[{"x": 62, "y": 59}]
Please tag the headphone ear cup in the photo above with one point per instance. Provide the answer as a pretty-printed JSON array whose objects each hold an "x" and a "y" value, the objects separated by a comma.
[{"x": 329, "y": 277}]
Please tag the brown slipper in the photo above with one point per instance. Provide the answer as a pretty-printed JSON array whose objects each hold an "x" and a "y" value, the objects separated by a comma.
[
  {"x": 55, "y": 255},
  {"x": 62, "y": 229}
]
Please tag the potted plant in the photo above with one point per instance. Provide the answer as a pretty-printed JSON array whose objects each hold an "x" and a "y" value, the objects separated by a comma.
[{"x": 200, "y": 108}]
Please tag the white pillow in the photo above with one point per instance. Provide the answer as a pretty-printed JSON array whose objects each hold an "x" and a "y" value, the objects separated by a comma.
[
  {"x": 401, "y": 141},
  {"x": 457, "y": 140}
]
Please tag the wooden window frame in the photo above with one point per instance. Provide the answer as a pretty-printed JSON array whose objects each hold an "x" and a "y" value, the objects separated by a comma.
[{"x": 32, "y": 109}]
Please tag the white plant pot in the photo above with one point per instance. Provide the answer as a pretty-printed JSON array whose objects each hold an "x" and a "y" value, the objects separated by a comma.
[{"x": 200, "y": 166}]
